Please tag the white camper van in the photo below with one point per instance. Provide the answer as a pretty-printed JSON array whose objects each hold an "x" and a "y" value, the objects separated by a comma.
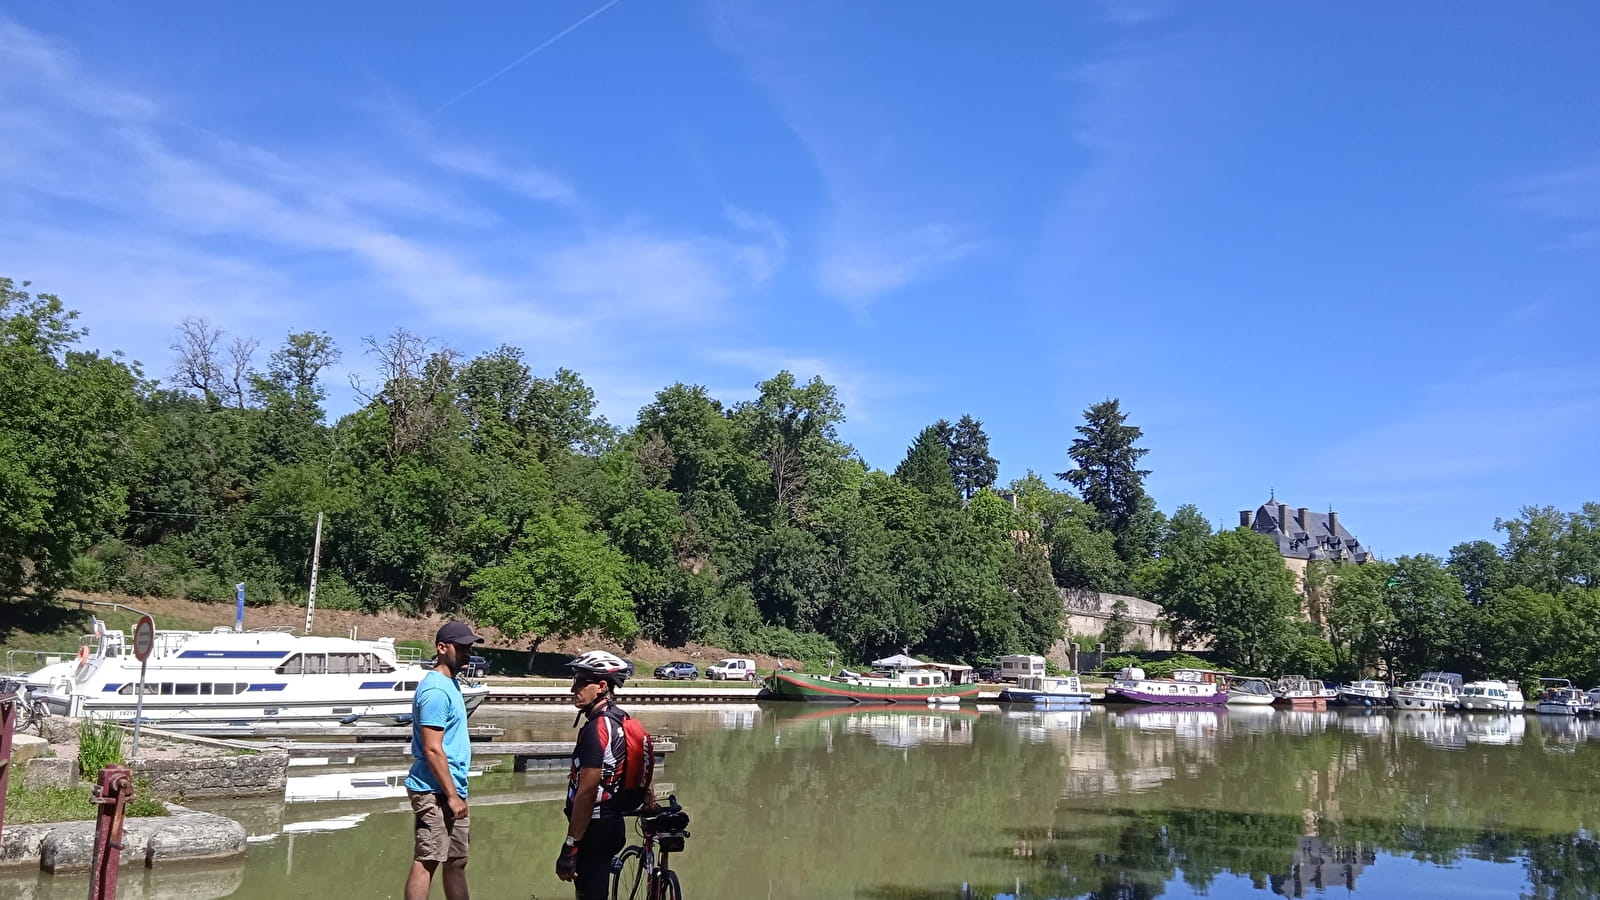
[{"x": 1014, "y": 667}]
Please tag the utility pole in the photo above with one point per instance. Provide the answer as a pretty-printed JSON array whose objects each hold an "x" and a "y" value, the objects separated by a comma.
[{"x": 316, "y": 555}]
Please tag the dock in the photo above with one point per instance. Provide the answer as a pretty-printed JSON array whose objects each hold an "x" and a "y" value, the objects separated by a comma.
[{"x": 746, "y": 693}]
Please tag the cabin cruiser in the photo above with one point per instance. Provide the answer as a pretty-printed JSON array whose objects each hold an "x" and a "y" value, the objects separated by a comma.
[
  {"x": 1560, "y": 698},
  {"x": 1250, "y": 692},
  {"x": 1493, "y": 696},
  {"x": 1186, "y": 686},
  {"x": 1368, "y": 692},
  {"x": 1433, "y": 690},
  {"x": 1047, "y": 690},
  {"x": 1302, "y": 692},
  {"x": 223, "y": 677}
]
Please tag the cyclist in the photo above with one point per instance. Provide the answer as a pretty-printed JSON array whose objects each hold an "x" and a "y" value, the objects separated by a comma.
[{"x": 595, "y": 794}]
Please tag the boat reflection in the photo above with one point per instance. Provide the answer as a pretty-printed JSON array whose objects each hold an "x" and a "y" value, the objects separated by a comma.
[
  {"x": 1433, "y": 727},
  {"x": 1037, "y": 726},
  {"x": 1182, "y": 722},
  {"x": 1365, "y": 722},
  {"x": 893, "y": 725},
  {"x": 1495, "y": 729}
]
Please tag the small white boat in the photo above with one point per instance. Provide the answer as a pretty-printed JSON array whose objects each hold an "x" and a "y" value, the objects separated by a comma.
[
  {"x": 1560, "y": 698},
  {"x": 1303, "y": 693},
  {"x": 1433, "y": 690},
  {"x": 1250, "y": 692},
  {"x": 1047, "y": 691},
  {"x": 1492, "y": 696},
  {"x": 1368, "y": 692}
]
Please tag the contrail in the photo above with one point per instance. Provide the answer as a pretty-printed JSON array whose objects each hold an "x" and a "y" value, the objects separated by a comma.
[{"x": 524, "y": 57}]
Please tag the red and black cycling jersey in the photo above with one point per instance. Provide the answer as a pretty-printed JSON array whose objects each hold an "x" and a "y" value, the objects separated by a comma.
[{"x": 602, "y": 745}]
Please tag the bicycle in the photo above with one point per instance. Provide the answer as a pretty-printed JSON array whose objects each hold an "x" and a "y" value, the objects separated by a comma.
[
  {"x": 30, "y": 713},
  {"x": 638, "y": 873}
]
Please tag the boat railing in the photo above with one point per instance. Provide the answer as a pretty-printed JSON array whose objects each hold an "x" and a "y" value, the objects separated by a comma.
[{"x": 21, "y": 661}]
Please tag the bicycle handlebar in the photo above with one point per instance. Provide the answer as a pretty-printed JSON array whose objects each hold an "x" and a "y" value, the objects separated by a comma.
[{"x": 647, "y": 811}]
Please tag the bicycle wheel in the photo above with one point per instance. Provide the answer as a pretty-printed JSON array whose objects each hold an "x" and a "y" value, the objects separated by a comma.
[
  {"x": 669, "y": 886},
  {"x": 627, "y": 878}
]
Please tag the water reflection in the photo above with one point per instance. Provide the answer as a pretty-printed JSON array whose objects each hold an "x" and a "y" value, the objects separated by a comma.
[{"x": 797, "y": 801}]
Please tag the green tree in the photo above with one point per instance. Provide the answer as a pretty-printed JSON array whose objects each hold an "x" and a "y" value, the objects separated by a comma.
[
  {"x": 1580, "y": 547},
  {"x": 67, "y": 440},
  {"x": 1255, "y": 613},
  {"x": 926, "y": 467},
  {"x": 1360, "y": 620},
  {"x": 1430, "y": 614},
  {"x": 561, "y": 580},
  {"x": 1479, "y": 568},
  {"x": 794, "y": 429},
  {"x": 1533, "y": 548},
  {"x": 1106, "y": 473},
  {"x": 970, "y": 463}
]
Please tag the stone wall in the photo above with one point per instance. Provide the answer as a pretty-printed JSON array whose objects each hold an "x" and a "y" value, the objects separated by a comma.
[
  {"x": 1086, "y": 614},
  {"x": 191, "y": 778},
  {"x": 156, "y": 840}
]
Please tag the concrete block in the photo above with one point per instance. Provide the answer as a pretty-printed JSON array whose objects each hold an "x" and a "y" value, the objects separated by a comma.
[
  {"x": 50, "y": 772},
  {"x": 195, "y": 836},
  {"x": 25, "y": 747}
]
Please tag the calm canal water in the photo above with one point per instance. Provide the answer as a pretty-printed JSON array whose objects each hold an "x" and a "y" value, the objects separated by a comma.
[{"x": 793, "y": 801}]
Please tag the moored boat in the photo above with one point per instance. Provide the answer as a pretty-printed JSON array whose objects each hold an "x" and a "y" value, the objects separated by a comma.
[
  {"x": 1432, "y": 690},
  {"x": 202, "y": 679},
  {"x": 896, "y": 680},
  {"x": 1301, "y": 693},
  {"x": 1199, "y": 687},
  {"x": 1047, "y": 691},
  {"x": 1368, "y": 692},
  {"x": 1250, "y": 692},
  {"x": 1560, "y": 698},
  {"x": 1492, "y": 696}
]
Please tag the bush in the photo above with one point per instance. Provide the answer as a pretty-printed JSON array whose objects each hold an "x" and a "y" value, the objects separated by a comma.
[
  {"x": 99, "y": 745},
  {"x": 814, "y": 650},
  {"x": 333, "y": 592}
]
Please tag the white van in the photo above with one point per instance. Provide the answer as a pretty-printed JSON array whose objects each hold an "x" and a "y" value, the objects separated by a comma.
[
  {"x": 1014, "y": 667},
  {"x": 735, "y": 669}
]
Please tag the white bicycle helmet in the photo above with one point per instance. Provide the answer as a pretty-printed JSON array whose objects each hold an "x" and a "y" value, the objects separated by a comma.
[{"x": 604, "y": 665}]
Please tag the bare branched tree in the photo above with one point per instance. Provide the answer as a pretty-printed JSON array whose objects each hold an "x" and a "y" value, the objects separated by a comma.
[
  {"x": 199, "y": 362},
  {"x": 416, "y": 381},
  {"x": 240, "y": 354}
]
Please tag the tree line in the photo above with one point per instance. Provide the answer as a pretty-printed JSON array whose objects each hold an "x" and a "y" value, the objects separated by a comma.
[{"x": 480, "y": 486}]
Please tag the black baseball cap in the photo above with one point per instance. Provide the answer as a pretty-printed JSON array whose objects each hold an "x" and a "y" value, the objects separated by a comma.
[{"x": 456, "y": 633}]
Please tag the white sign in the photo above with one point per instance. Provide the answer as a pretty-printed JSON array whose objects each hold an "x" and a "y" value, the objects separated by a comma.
[{"x": 144, "y": 638}]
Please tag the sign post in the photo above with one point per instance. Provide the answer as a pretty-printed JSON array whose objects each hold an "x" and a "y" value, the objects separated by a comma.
[
  {"x": 238, "y": 609},
  {"x": 316, "y": 553},
  {"x": 144, "y": 641}
]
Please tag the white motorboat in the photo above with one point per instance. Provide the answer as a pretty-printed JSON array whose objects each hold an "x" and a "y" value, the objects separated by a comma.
[
  {"x": 1368, "y": 692},
  {"x": 1299, "y": 691},
  {"x": 1560, "y": 698},
  {"x": 226, "y": 677},
  {"x": 1250, "y": 692},
  {"x": 1492, "y": 696},
  {"x": 1047, "y": 691},
  {"x": 1433, "y": 690}
]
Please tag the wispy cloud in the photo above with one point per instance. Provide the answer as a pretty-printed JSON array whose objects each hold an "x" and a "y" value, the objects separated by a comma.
[
  {"x": 1571, "y": 195},
  {"x": 177, "y": 219},
  {"x": 883, "y": 231},
  {"x": 1471, "y": 428}
]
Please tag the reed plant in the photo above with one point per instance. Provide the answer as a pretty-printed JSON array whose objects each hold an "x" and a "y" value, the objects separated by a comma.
[{"x": 99, "y": 745}]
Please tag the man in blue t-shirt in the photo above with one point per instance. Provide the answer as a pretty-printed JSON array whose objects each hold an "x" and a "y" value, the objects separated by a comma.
[{"x": 437, "y": 784}]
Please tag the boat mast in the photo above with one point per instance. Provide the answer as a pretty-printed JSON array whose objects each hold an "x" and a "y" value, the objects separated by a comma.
[{"x": 316, "y": 554}]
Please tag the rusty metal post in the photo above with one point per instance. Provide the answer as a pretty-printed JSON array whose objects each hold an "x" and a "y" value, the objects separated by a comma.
[
  {"x": 112, "y": 795},
  {"x": 8, "y": 724}
]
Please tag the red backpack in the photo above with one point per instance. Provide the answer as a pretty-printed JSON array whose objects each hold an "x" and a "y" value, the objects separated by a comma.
[{"x": 639, "y": 763}]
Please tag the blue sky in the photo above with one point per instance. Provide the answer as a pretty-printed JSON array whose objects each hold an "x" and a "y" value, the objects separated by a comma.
[{"x": 1347, "y": 251}]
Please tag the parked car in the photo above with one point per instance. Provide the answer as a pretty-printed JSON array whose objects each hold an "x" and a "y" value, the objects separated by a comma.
[
  {"x": 987, "y": 674},
  {"x": 676, "y": 670},
  {"x": 733, "y": 669}
]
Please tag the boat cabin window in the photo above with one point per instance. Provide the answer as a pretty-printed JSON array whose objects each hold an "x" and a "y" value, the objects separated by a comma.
[
  {"x": 186, "y": 689},
  {"x": 304, "y": 664},
  {"x": 357, "y": 664},
  {"x": 405, "y": 686}
]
